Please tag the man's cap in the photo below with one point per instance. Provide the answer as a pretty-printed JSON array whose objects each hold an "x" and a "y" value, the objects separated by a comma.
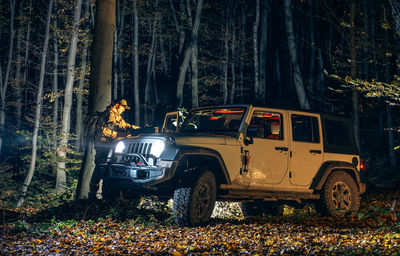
[{"x": 124, "y": 104}]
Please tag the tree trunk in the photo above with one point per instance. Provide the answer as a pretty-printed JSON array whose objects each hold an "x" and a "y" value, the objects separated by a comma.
[
  {"x": 242, "y": 54},
  {"x": 55, "y": 72},
  {"x": 79, "y": 95},
  {"x": 233, "y": 71},
  {"x": 66, "y": 118},
  {"x": 298, "y": 80},
  {"x": 119, "y": 53},
  {"x": 188, "y": 53},
  {"x": 115, "y": 67},
  {"x": 353, "y": 73},
  {"x": 39, "y": 103},
  {"x": 312, "y": 42},
  {"x": 226, "y": 57},
  {"x": 5, "y": 83},
  {"x": 195, "y": 76},
  {"x": 255, "y": 51},
  {"x": 100, "y": 83},
  {"x": 28, "y": 33},
  {"x": 18, "y": 78},
  {"x": 136, "y": 62},
  {"x": 263, "y": 52},
  {"x": 149, "y": 70},
  {"x": 395, "y": 4}
]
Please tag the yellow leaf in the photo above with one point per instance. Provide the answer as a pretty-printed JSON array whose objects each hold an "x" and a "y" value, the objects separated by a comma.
[{"x": 176, "y": 253}]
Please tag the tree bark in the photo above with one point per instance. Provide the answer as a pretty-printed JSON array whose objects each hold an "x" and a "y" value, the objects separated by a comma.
[
  {"x": 28, "y": 33},
  {"x": 18, "y": 78},
  {"x": 255, "y": 51},
  {"x": 61, "y": 178},
  {"x": 263, "y": 52},
  {"x": 233, "y": 70},
  {"x": 39, "y": 103},
  {"x": 101, "y": 62},
  {"x": 298, "y": 80},
  {"x": 149, "y": 71},
  {"x": 187, "y": 54},
  {"x": 55, "y": 71},
  {"x": 100, "y": 83},
  {"x": 195, "y": 76},
  {"x": 226, "y": 57},
  {"x": 353, "y": 73},
  {"x": 79, "y": 95},
  {"x": 136, "y": 62},
  {"x": 5, "y": 83}
]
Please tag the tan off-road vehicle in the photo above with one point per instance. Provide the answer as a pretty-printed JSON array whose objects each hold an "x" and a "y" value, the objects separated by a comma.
[{"x": 260, "y": 156}]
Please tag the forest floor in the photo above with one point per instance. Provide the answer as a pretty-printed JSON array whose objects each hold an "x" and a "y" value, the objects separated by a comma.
[{"x": 84, "y": 228}]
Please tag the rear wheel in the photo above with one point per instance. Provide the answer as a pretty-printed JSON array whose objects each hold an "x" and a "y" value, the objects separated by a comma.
[
  {"x": 194, "y": 205},
  {"x": 339, "y": 196}
]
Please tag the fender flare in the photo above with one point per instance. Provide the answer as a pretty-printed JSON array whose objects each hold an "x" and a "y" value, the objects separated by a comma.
[
  {"x": 328, "y": 167},
  {"x": 189, "y": 151}
]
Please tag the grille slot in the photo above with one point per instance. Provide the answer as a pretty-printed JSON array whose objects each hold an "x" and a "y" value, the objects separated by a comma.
[{"x": 139, "y": 148}]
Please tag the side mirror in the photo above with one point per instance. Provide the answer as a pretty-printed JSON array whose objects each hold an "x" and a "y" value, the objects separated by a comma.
[{"x": 251, "y": 132}]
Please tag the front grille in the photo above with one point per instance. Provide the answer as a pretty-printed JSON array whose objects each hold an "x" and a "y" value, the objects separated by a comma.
[{"x": 139, "y": 148}]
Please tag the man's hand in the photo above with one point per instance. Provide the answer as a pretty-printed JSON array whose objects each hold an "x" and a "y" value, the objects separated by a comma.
[{"x": 133, "y": 126}]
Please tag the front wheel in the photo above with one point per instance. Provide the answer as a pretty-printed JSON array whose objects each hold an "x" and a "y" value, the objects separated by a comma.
[
  {"x": 339, "y": 196},
  {"x": 194, "y": 205}
]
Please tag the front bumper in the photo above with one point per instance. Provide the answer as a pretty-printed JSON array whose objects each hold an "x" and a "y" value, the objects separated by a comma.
[{"x": 149, "y": 175}]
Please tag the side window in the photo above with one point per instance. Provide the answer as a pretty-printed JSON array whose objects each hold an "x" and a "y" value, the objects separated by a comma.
[
  {"x": 305, "y": 128},
  {"x": 266, "y": 125}
]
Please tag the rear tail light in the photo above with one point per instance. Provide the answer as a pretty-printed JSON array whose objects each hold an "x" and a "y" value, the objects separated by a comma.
[{"x": 362, "y": 165}]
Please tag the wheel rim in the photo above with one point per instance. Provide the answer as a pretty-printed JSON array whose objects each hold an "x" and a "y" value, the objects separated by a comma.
[
  {"x": 341, "y": 196},
  {"x": 202, "y": 200}
]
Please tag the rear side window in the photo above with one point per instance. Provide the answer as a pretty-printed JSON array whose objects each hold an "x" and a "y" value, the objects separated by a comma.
[
  {"x": 337, "y": 133},
  {"x": 305, "y": 129}
]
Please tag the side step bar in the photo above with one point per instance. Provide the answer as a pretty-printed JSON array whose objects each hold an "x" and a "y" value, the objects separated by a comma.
[{"x": 241, "y": 193}]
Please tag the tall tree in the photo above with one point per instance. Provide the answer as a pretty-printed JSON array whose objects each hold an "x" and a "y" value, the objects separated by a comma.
[
  {"x": 66, "y": 118},
  {"x": 353, "y": 71},
  {"x": 55, "y": 70},
  {"x": 5, "y": 83},
  {"x": 39, "y": 102},
  {"x": 263, "y": 51},
  {"x": 135, "y": 39},
  {"x": 255, "y": 51},
  {"x": 188, "y": 54},
  {"x": 294, "y": 64},
  {"x": 100, "y": 84},
  {"x": 79, "y": 95}
]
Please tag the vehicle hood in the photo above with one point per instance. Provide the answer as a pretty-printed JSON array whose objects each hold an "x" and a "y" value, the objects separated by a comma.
[{"x": 202, "y": 139}]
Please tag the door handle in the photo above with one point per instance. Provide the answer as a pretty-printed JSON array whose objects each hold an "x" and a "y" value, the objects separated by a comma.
[
  {"x": 281, "y": 148},
  {"x": 315, "y": 151}
]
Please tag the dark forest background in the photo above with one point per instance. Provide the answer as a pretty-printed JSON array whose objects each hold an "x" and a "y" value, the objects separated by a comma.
[{"x": 339, "y": 57}]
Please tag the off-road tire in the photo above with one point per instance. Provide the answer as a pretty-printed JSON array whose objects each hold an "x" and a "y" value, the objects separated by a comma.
[
  {"x": 339, "y": 196},
  {"x": 194, "y": 205},
  {"x": 250, "y": 209}
]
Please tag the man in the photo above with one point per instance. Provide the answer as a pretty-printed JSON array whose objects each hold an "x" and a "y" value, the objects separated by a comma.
[{"x": 116, "y": 126}]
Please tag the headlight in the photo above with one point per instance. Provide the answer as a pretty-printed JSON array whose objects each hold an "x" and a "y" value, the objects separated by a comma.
[
  {"x": 120, "y": 147},
  {"x": 157, "y": 148}
]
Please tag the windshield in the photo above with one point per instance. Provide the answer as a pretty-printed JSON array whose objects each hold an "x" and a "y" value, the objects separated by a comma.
[{"x": 214, "y": 120}]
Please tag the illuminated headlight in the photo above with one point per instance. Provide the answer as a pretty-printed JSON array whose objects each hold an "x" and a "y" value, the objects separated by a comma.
[
  {"x": 120, "y": 147},
  {"x": 157, "y": 148},
  {"x": 164, "y": 164}
]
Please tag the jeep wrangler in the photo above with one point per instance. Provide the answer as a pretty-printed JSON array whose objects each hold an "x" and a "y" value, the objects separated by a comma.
[{"x": 262, "y": 157}]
